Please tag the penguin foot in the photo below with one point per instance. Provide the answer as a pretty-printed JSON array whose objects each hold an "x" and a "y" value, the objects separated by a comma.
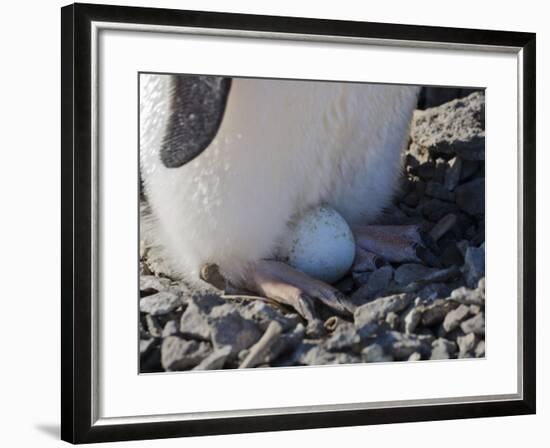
[
  {"x": 284, "y": 284},
  {"x": 396, "y": 244}
]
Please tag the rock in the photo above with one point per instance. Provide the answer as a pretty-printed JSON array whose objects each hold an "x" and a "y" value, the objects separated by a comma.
[
  {"x": 318, "y": 355},
  {"x": 182, "y": 354},
  {"x": 262, "y": 314},
  {"x": 379, "y": 308},
  {"x": 194, "y": 323},
  {"x": 443, "y": 226},
  {"x": 228, "y": 327},
  {"x": 435, "y": 209},
  {"x": 480, "y": 350},
  {"x": 378, "y": 281},
  {"x": 475, "y": 309},
  {"x": 346, "y": 285},
  {"x": 438, "y": 191},
  {"x": 466, "y": 344},
  {"x": 433, "y": 291},
  {"x": 163, "y": 302},
  {"x": 287, "y": 342},
  {"x": 375, "y": 353},
  {"x": 412, "y": 319},
  {"x": 411, "y": 272},
  {"x": 145, "y": 346},
  {"x": 440, "y": 170},
  {"x": 154, "y": 327},
  {"x": 454, "y": 128},
  {"x": 474, "y": 325},
  {"x": 392, "y": 319},
  {"x": 474, "y": 265},
  {"x": 415, "y": 357},
  {"x": 360, "y": 278},
  {"x": 215, "y": 360},
  {"x": 470, "y": 196},
  {"x": 451, "y": 255},
  {"x": 436, "y": 312},
  {"x": 171, "y": 328},
  {"x": 343, "y": 338},
  {"x": 468, "y": 296},
  {"x": 452, "y": 176},
  {"x": 469, "y": 168},
  {"x": 366, "y": 261},
  {"x": 453, "y": 318},
  {"x": 150, "y": 284},
  {"x": 443, "y": 349},
  {"x": 402, "y": 346}
]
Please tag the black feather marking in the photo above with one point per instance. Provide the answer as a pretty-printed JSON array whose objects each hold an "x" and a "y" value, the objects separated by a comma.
[{"x": 198, "y": 105}]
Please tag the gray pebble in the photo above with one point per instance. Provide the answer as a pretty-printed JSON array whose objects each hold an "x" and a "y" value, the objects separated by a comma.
[
  {"x": 228, "y": 327},
  {"x": 474, "y": 265},
  {"x": 443, "y": 349},
  {"x": 163, "y": 302},
  {"x": 153, "y": 325},
  {"x": 452, "y": 176},
  {"x": 392, "y": 319},
  {"x": 480, "y": 349},
  {"x": 411, "y": 272},
  {"x": 436, "y": 312},
  {"x": 474, "y": 325},
  {"x": 375, "y": 353},
  {"x": 466, "y": 344},
  {"x": 454, "y": 317},
  {"x": 215, "y": 360},
  {"x": 415, "y": 357},
  {"x": 150, "y": 284},
  {"x": 171, "y": 328},
  {"x": 181, "y": 354},
  {"x": 438, "y": 191},
  {"x": 379, "y": 308},
  {"x": 412, "y": 319},
  {"x": 343, "y": 338},
  {"x": 467, "y": 296},
  {"x": 470, "y": 196},
  {"x": 194, "y": 323}
]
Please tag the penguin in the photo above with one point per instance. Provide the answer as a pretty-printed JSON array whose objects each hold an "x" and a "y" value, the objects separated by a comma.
[{"x": 227, "y": 164}]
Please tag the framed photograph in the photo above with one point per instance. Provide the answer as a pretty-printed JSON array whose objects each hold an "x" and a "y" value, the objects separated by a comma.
[{"x": 275, "y": 223}]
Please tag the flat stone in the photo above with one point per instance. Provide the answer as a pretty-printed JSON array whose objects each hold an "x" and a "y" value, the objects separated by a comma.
[
  {"x": 150, "y": 284},
  {"x": 412, "y": 272},
  {"x": 474, "y": 325},
  {"x": 401, "y": 346},
  {"x": 474, "y": 265},
  {"x": 215, "y": 360},
  {"x": 379, "y": 308},
  {"x": 452, "y": 175},
  {"x": 262, "y": 314},
  {"x": 378, "y": 281},
  {"x": 194, "y": 323},
  {"x": 318, "y": 355},
  {"x": 433, "y": 291},
  {"x": 435, "y": 313},
  {"x": 416, "y": 356},
  {"x": 455, "y": 317},
  {"x": 171, "y": 328},
  {"x": 343, "y": 338},
  {"x": 153, "y": 325},
  {"x": 182, "y": 354},
  {"x": 228, "y": 327},
  {"x": 443, "y": 226},
  {"x": 375, "y": 353},
  {"x": 470, "y": 196},
  {"x": 163, "y": 302},
  {"x": 468, "y": 296},
  {"x": 435, "y": 209},
  {"x": 443, "y": 349},
  {"x": 480, "y": 350},
  {"x": 438, "y": 191},
  {"x": 412, "y": 319},
  {"x": 466, "y": 343}
]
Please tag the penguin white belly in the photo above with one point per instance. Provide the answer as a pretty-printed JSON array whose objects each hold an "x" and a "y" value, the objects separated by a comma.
[{"x": 281, "y": 147}]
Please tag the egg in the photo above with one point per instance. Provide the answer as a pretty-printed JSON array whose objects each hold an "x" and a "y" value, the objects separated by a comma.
[{"x": 321, "y": 244}]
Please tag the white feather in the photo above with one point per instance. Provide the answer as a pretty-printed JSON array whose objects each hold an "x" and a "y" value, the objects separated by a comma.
[{"x": 282, "y": 147}]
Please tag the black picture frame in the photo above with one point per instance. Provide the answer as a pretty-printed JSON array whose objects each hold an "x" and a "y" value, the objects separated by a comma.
[{"x": 77, "y": 425}]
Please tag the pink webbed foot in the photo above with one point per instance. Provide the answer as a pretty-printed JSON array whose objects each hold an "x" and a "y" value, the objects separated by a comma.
[
  {"x": 396, "y": 244},
  {"x": 285, "y": 285}
]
